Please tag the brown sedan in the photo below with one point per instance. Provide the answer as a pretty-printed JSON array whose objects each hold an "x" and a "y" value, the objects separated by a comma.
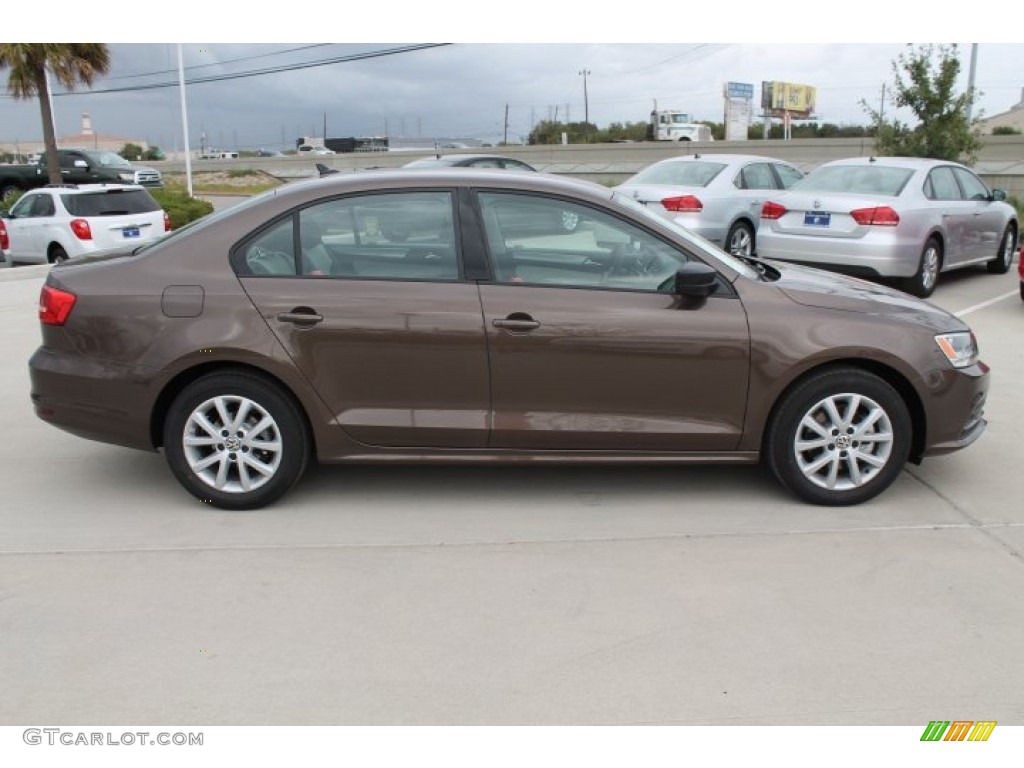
[{"x": 438, "y": 316}]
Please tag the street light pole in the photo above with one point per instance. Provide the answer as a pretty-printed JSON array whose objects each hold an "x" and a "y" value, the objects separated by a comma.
[{"x": 586, "y": 106}]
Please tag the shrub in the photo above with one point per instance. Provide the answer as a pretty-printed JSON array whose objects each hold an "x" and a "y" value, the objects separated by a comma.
[
  {"x": 5, "y": 205},
  {"x": 180, "y": 207}
]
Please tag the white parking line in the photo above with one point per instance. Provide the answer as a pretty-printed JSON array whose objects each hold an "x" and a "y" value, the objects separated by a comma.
[{"x": 984, "y": 304}]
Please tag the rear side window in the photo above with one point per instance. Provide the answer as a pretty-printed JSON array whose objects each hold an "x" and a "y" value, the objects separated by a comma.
[
  {"x": 941, "y": 185},
  {"x": 690, "y": 174},
  {"x": 112, "y": 202}
]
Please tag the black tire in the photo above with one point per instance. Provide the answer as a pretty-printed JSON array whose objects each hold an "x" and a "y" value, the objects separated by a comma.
[
  {"x": 923, "y": 283},
  {"x": 282, "y": 446},
  {"x": 1001, "y": 264},
  {"x": 847, "y": 458},
  {"x": 740, "y": 237},
  {"x": 58, "y": 255}
]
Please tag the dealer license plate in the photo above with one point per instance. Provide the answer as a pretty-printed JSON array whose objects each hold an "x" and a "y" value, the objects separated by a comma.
[
  {"x": 817, "y": 219},
  {"x": 130, "y": 231}
]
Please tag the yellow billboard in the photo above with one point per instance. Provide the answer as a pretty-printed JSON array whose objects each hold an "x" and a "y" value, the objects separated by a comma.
[{"x": 779, "y": 98}]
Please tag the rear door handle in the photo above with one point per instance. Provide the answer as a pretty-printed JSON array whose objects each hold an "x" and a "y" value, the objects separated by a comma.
[{"x": 300, "y": 316}]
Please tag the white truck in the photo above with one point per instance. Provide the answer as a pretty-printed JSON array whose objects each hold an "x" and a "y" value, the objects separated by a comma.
[{"x": 673, "y": 125}]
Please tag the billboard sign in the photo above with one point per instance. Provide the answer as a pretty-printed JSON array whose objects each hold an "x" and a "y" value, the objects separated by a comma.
[{"x": 793, "y": 98}]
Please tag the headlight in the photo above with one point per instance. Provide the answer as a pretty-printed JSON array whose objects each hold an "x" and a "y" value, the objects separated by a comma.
[
  {"x": 126, "y": 176},
  {"x": 960, "y": 349}
]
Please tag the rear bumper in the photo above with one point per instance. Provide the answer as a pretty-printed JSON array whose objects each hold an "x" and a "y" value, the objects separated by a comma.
[
  {"x": 877, "y": 254},
  {"x": 91, "y": 398}
]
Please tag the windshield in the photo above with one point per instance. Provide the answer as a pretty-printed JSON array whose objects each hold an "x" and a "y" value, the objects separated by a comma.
[
  {"x": 857, "y": 179},
  {"x": 697, "y": 173},
  {"x": 705, "y": 246}
]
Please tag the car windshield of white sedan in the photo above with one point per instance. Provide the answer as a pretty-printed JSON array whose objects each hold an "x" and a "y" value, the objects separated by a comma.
[
  {"x": 706, "y": 246},
  {"x": 857, "y": 179},
  {"x": 683, "y": 174}
]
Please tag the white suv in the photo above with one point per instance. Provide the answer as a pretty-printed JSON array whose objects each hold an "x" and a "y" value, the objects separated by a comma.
[{"x": 55, "y": 223}]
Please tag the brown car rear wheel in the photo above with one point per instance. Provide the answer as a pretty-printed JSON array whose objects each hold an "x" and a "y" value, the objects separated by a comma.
[{"x": 235, "y": 441}]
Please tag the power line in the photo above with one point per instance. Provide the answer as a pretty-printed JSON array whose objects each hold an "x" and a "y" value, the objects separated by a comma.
[
  {"x": 265, "y": 71},
  {"x": 219, "y": 63}
]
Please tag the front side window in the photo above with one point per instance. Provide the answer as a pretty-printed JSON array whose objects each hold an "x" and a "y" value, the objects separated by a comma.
[
  {"x": 974, "y": 188},
  {"x": 44, "y": 206},
  {"x": 23, "y": 207},
  {"x": 530, "y": 242},
  {"x": 788, "y": 175}
]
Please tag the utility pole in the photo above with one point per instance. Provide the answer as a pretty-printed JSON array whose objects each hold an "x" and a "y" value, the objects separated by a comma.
[
  {"x": 184, "y": 123},
  {"x": 970, "y": 81},
  {"x": 586, "y": 106},
  {"x": 506, "y": 124},
  {"x": 325, "y": 129},
  {"x": 881, "y": 106}
]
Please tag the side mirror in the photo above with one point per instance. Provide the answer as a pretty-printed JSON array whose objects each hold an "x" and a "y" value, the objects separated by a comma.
[
  {"x": 999, "y": 194},
  {"x": 81, "y": 164},
  {"x": 696, "y": 279}
]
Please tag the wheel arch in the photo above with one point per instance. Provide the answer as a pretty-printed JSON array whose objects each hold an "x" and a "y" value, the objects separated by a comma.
[
  {"x": 162, "y": 405},
  {"x": 888, "y": 374}
]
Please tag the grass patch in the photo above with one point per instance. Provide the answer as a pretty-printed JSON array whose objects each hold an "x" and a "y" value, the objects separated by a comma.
[{"x": 240, "y": 181}]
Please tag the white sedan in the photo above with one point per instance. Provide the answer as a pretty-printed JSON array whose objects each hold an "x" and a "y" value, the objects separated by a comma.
[{"x": 907, "y": 218}]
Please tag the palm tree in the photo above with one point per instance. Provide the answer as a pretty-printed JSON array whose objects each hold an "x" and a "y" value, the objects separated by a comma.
[{"x": 70, "y": 63}]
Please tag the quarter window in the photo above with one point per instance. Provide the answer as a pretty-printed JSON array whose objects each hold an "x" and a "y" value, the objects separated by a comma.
[{"x": 545, "y": 241}]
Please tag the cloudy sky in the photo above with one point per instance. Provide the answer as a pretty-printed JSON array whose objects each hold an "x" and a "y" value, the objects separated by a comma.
[{"x": 462, "y": 89}]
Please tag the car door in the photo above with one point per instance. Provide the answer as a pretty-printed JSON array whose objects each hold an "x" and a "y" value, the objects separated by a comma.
[
  {"x": 372, "y": 307},
  {"x": 986, "y": 222},
  {"x": 954, "y": 214},
  {"x": 589, "y": 351},
  {"x": 24, "y": 227}
]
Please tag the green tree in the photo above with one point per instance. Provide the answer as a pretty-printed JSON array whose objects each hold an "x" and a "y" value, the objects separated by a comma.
[
  {"x": 925, "y": 83},
  {"x": 70, "y": 64},
  {"x": 130, "y": 151}
]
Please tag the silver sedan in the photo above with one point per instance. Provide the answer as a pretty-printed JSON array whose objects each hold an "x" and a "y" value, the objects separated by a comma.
[
  {"x": 906, "y": 218},
  {"x": 719, "y": 197}
]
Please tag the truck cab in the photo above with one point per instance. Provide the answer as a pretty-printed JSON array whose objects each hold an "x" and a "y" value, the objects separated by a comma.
[{"x": 673, "y": 125}]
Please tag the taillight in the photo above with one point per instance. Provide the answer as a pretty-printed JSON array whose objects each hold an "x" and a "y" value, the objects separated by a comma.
[
  {"x": 167, "y": 222},
  {"x": 883, "y": 216},
  {"x": 5, "y": 241},
  {"x": 772, "y": 210},
  {"x": 81, "y": 229},
  {"x": 55, "y": 305},
  {"x": 684, "y": 204}
]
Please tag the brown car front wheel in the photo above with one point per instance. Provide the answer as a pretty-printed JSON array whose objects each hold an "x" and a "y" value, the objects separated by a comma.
[{"x": 840, "y": 437}]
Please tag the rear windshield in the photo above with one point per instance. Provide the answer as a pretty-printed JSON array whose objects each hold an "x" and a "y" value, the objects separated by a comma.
[
  {"x": 858, "y": 179},
  {"x": 110, "y": 202},
  {"x": 693, "y": 174}
]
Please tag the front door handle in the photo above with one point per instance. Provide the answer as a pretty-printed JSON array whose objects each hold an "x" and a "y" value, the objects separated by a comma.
[
  {"x": 301, "y": 316},
  {"x": 517, "y": 322}
]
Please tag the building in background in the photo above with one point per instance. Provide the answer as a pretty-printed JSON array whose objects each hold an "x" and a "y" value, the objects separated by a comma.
[{"x": 86, "y": 139}]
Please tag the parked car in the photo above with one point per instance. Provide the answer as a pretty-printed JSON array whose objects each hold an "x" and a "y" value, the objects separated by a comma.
[
  {"x": 896, "y": 217},
  {"x": 77, "y": 166},
  {"x": 717, "y": 196},
  {"x": 53, "y": 224},
  {"x": 471, "y": 161},
  {"x": 225, "y": 348}
]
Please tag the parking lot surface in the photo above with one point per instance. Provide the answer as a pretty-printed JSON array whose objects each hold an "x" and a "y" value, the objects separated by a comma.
[{"x": 427, "y": 595}]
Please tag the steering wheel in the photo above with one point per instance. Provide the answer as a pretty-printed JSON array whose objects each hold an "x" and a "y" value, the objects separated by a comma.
[{"x": 634, "y": 259}]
